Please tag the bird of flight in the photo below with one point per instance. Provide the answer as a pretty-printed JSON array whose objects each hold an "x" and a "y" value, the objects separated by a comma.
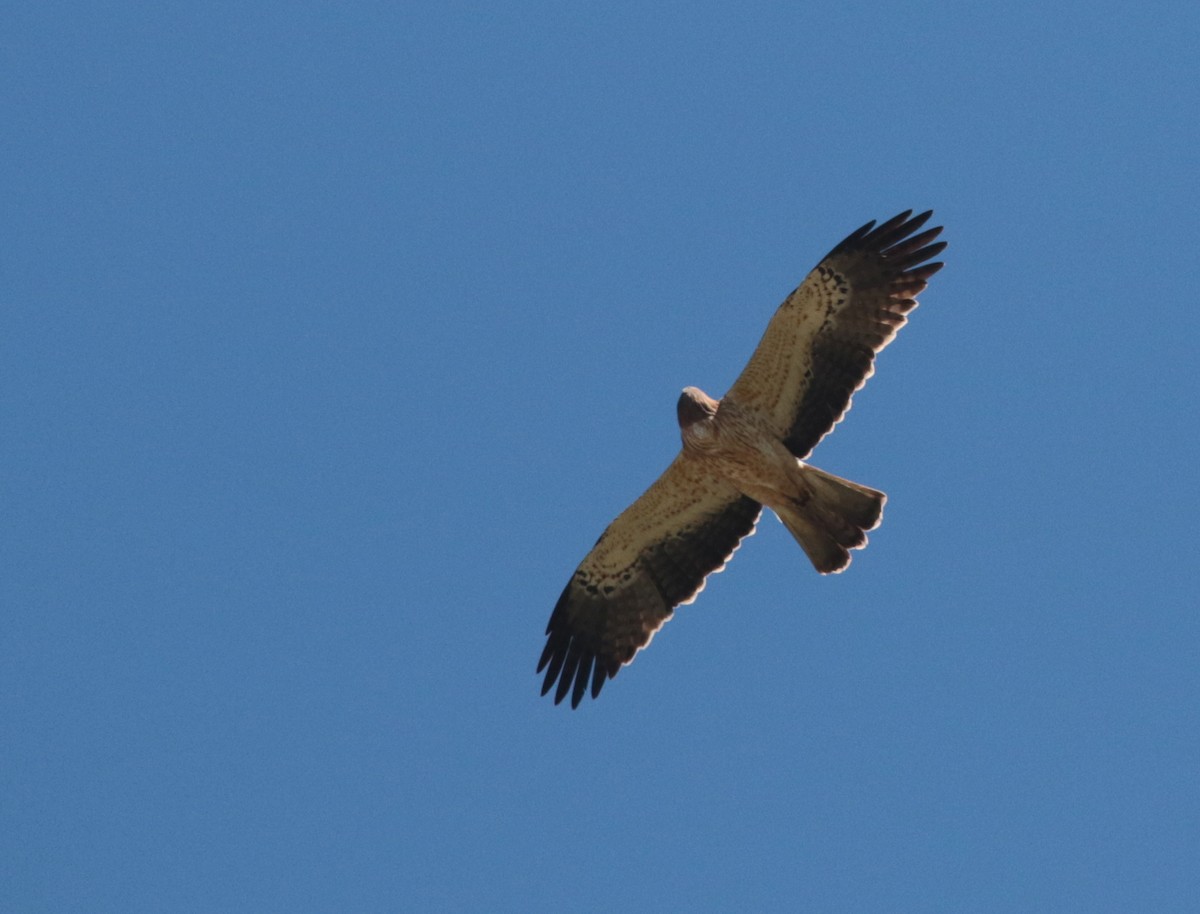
[{"x": 744, "y": 451}]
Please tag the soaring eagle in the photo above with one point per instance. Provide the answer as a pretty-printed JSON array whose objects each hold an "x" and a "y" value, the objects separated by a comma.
[{"x": 745, "y": 451}]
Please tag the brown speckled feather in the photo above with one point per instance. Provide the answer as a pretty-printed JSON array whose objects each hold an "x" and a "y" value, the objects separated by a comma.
[
  {"x": 652, "y": 558},
  {"x": 820, "y": 346},
  {"x": 818, "y": 349}
]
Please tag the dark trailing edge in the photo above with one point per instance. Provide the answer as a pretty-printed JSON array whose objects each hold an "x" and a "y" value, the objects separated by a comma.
[{"x": 887, "y": 275}]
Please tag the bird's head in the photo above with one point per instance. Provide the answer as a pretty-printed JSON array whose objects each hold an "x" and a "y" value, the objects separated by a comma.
[{"x": 695, "y": 410}]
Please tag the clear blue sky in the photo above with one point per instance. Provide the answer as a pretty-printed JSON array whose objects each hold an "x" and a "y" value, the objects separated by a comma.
[{"x": 332, "y": 335}]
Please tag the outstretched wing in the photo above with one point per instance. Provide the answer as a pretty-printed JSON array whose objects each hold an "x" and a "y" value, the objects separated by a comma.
[
  {"x": 652, "y": 558},
  {"x": 820, "y": 346}
]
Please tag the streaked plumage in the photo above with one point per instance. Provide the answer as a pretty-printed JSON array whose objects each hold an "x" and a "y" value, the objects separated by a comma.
[{"x": 745, "y": 451}]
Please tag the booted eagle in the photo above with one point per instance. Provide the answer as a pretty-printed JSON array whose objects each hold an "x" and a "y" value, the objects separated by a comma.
[{"x": 744, "y": 451}]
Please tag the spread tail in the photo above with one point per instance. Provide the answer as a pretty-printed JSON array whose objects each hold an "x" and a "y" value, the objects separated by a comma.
[{"x": 833, "y": 520}]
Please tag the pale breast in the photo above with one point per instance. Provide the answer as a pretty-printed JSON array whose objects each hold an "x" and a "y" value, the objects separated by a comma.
[{"x": 747, "y": 453}]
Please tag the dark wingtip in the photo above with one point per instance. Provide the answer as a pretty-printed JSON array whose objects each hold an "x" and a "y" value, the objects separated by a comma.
[
  {"x": 853, "y": 238},
  {"x": 567, "y": 676},
  {"x": 553, "y": 657},
  {"x": 862, "y": 231},
  {"x": 884, "y": 235},
  {"x": 547, "y": 682},
  {"x": 547, "y": 653},
  {"x": 571, "y": 670},
  {"x": 599, "y": 676},
  {"x": 924, "y": 271},
  {"x": 582, "y": 675}
]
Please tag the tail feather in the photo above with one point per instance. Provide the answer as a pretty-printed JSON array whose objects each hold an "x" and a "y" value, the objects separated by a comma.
[{"x": 833, "y": 520}]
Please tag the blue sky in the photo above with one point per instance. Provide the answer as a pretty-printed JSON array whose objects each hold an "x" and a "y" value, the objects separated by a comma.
[{"x": 334, "y": 334}]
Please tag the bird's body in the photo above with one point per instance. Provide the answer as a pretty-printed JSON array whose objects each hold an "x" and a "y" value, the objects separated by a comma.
[
  {"x": 827, "y": 515},
  {"x": 745, "y": 451},
  {"x": 735, "y": 445}
]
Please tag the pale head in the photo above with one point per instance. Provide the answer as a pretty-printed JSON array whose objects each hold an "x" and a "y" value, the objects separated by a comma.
[{"x": 695, "y": 410}]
